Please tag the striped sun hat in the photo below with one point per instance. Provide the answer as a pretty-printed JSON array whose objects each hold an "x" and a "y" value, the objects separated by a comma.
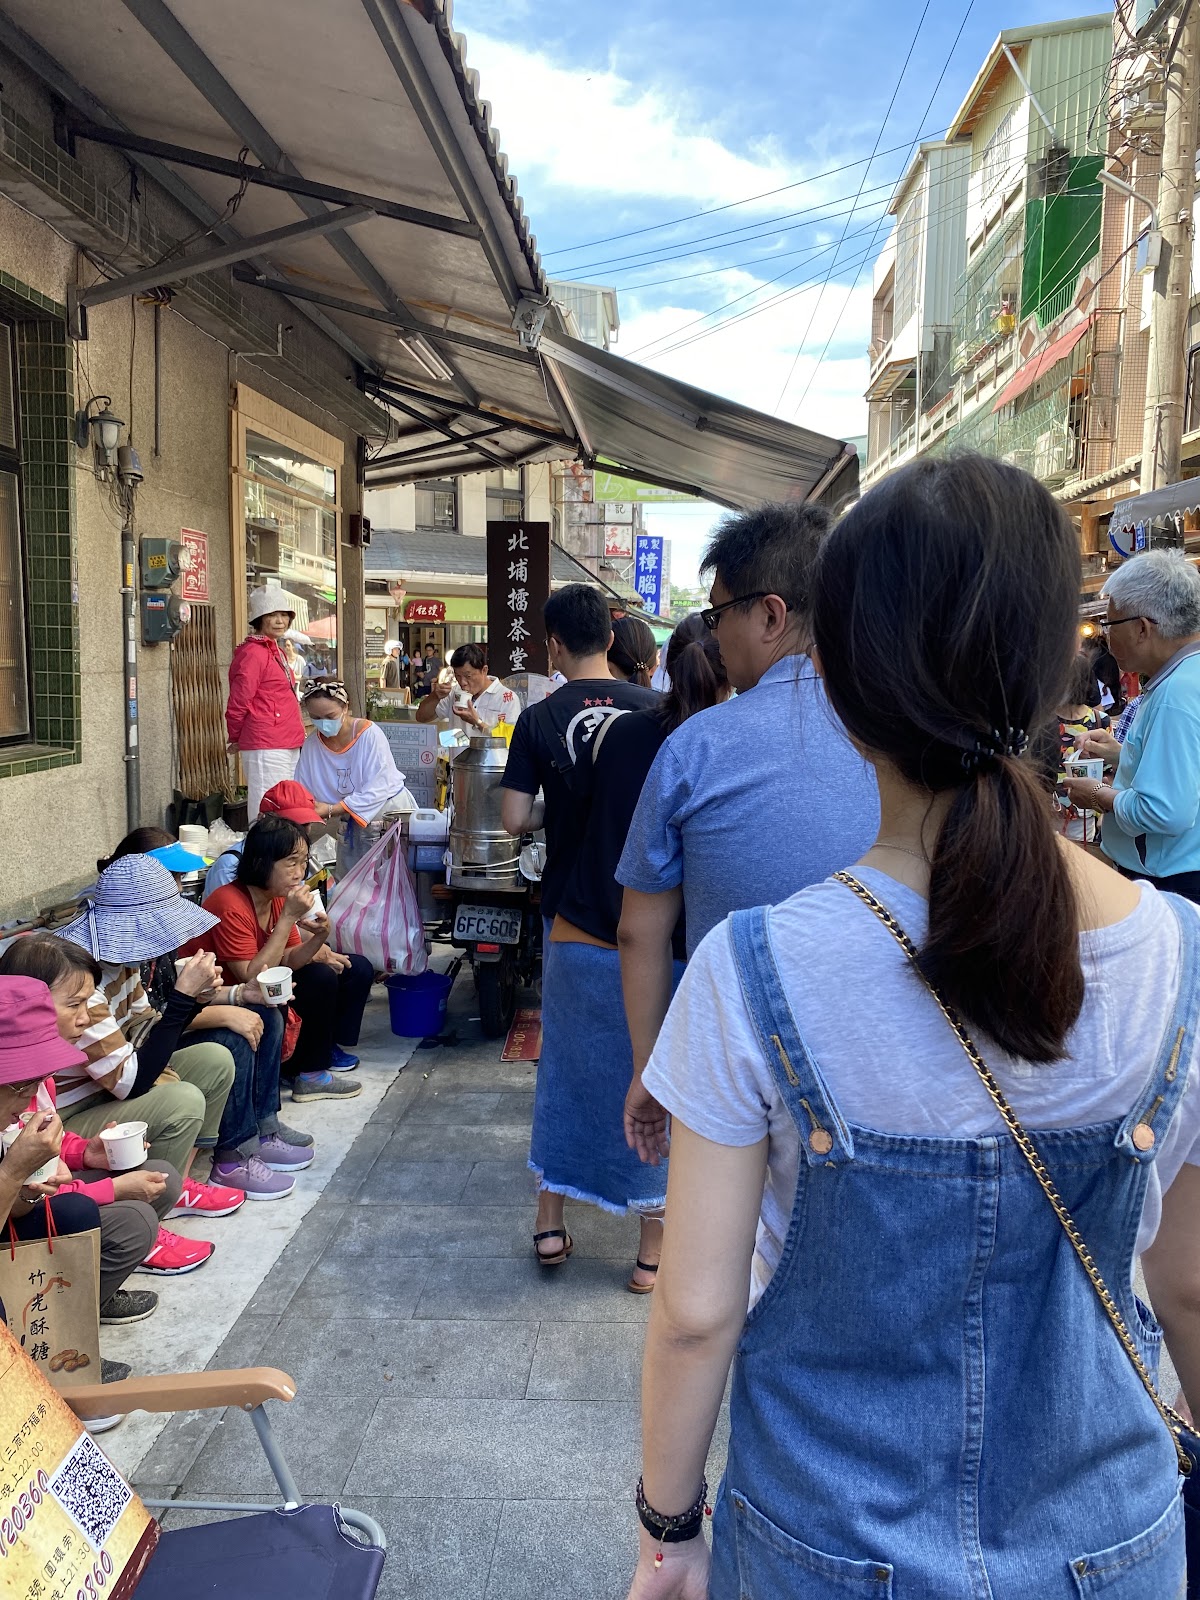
[{"x": 136, "y": 913}]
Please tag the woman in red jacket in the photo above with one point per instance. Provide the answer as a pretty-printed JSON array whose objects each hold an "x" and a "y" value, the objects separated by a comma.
[{"x": 263, "y": 716}]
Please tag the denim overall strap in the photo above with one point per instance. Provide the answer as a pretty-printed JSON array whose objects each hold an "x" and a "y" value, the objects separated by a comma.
[
  {"x": 1150, "y": 1115},
  {"x": 824, "y": 1136}
]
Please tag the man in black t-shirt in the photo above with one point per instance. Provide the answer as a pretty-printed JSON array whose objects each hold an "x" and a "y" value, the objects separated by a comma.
[{"x": 552, "y": 739}]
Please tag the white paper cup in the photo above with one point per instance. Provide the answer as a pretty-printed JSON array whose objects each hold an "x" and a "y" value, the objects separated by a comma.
[
  {"x": 124, "y": 1145},
  {"x": 12, "y": 1133},
  {"x": 276, "y": 984}
]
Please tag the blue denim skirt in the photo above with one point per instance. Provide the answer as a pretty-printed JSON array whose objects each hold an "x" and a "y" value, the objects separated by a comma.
[{"x": 578, "y": 1146}]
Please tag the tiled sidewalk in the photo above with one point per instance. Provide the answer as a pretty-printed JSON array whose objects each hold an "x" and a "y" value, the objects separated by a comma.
[{"x": 483, "y": 1410}]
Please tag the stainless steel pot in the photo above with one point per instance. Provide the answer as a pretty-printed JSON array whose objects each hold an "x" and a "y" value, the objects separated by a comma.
[{"x": 480, "y": 850}]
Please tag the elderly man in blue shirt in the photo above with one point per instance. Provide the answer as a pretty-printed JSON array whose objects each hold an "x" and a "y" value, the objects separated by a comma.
[
  {"x": 1151, "y": 826},
  {"x": 750, "y": 801}
]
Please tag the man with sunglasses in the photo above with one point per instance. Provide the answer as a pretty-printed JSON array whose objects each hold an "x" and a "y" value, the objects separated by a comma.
[
  {"x": 1151, "y": 809},
  {"x": 753, "y": 800}
]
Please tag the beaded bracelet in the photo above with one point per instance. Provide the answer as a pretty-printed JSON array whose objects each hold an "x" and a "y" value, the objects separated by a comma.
[{"x": 672, "y": 1530}]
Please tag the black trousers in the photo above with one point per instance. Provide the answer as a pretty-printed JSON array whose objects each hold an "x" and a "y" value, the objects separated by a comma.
[
  {"x": 331, "y": 1005},
  {"x": 1184, "y": 884}
]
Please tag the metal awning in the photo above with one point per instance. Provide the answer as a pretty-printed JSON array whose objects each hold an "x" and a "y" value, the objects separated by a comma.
[
  {"x": 1057, "y": 350},
  {"x": 666, "y": 432},
  {"x": 337, "y": 153}
]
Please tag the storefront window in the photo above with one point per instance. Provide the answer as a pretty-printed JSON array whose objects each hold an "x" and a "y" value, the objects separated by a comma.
[{"x": 291, "y": 512}]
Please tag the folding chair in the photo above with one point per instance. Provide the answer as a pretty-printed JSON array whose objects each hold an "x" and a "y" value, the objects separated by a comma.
[{"x": 297, "y": 1551}]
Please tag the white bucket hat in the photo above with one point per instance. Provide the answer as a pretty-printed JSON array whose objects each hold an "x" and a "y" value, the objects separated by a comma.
[{"x": 271, "y": 598}]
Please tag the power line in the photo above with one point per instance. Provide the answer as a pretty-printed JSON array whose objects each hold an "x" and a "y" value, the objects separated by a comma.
[
  {"x": 854, "y": 284},
  {"x": 878, "y": 137},
  {"x": 773, "y": 226},
  {"x": 906, "y": 144},
  {"x": 664, "y": 345}
]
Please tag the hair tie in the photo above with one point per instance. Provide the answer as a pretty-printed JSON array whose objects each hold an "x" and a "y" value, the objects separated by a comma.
[{"x": 987, "y": 753}]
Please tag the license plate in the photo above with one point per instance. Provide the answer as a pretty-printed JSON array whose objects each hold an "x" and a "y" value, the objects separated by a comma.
[{"x": 489, "y": 924}]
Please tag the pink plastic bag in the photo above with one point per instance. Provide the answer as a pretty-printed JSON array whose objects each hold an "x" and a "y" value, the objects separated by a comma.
[{"x": 373, "y": 911}]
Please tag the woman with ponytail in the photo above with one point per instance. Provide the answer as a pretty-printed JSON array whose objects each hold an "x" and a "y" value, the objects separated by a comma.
[
  {"x": 578, "y": 1148},
  {"x": 633, "y": 653},
  {"x": 929, "y": 1397}
]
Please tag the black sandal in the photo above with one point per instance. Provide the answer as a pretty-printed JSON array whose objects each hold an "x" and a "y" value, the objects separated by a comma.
[
  {"x": 642, "y": 1288},
  {"x": 556, "y": 1260}
]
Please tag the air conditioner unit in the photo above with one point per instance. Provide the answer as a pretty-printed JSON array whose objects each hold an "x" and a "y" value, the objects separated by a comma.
[
  {"x": 1020, "y": 458},
  {"x": 1054, "y": 454}
]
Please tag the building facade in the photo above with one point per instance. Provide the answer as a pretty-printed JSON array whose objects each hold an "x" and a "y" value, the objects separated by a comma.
[
  {"x": 248, "y": 441},
  {"x": 1005, "y": 216}
]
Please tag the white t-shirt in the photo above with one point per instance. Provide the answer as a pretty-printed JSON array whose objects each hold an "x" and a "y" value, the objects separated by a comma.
[
  {"x": 888, "y": 1056},
  {"x": 494, "y": 705}
]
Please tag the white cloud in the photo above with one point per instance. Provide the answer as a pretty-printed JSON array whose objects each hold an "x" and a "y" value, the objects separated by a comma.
[
  {"x": 597, "y": 133},
  {"x": 749, "y": 360}
]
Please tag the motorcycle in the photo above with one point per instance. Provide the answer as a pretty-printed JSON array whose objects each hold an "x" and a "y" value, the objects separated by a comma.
[{"x": 499, "y": 926}]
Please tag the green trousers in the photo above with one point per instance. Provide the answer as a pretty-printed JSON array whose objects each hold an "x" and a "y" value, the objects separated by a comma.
[{"x": 178, "y": 1116}]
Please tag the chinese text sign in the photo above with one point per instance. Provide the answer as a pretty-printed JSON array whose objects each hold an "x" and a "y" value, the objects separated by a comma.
[
  {"x": 195, "y": 577},
  {"x": 648, "y": 573},
  {"x": 518, "y": 586}
]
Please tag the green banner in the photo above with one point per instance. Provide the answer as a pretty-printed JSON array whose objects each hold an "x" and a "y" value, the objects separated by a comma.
[{"x": 609, "y": 486}]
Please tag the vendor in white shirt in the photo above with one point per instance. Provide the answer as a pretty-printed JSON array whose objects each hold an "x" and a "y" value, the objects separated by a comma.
[
  {"x": 481, "y": 701},
  {"x": 346, "y": 763}
]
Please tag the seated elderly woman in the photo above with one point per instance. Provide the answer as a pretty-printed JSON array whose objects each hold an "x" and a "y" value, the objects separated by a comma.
[
  {"x": 133, "y": 1204},
  {"x": 347, "y": 765},
  {"x": 250, "y": 1030},
  {"x": 31, "y": 1049},
  {"x": 1151, "y": 810},
  {"x": 268, "y": 918},
  {"x": 136, "y": 914}
]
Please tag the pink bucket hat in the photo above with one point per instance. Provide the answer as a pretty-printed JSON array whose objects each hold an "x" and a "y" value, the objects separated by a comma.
[{"x": 30, "y": 1044}]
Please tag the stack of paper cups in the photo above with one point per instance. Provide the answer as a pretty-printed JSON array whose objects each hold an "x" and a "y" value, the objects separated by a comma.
[{"x": 194, "y": 838}]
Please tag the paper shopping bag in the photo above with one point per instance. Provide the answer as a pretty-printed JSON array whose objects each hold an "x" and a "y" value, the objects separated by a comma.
[
  {"x": 69, "y": 1523},
  {"x": 50, "y": 1300}
]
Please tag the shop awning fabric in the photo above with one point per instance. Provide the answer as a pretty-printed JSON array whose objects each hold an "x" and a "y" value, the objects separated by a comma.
[
  {"x": 669, "y": 433},
  {"x": 1173, "y": 500},
  {"x": 375, "y": 204},
  {"x": 1057, "y": 350}
]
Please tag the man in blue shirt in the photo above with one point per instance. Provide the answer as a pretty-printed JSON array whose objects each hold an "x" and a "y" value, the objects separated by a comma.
[
  {"x": 750, "y": 801},
  {"x": 1152, "y": 807}
]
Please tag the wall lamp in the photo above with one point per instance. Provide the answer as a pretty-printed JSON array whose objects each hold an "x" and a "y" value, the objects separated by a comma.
[{"x": 104, "y": 429}]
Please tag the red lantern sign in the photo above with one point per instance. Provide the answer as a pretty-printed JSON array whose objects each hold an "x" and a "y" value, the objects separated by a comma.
[{"x": 425, "y": 611}]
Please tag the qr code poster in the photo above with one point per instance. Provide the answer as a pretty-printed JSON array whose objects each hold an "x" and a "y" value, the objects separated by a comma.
[{"x": 69, "y": 1523}]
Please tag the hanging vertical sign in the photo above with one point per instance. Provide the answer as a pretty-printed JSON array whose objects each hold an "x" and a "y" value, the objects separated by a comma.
[
  {"x": 648, "y": 573},
  {"x": 195, "y": 574},
  {"x": 518, "y": 586}
]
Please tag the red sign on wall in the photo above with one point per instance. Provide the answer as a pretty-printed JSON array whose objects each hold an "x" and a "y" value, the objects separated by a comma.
[
  {"x": 195, "y": 578},
  {"x": 425, "y": 611}
]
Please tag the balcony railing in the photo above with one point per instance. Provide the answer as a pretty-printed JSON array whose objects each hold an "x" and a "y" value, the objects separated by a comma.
[{"x": 989, "y": 293}]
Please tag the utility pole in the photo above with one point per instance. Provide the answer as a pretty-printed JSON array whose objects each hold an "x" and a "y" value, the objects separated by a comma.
[{"x": 1166, "y": 370}]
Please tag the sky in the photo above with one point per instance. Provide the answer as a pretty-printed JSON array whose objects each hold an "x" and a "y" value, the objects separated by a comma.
[{"x": 786, "y": 124}]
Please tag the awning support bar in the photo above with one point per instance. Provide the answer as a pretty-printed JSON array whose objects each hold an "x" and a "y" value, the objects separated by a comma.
[
  {"x": 269, "y": 178},
  {"x": 219, "y": 255},
  {"x": 164, "y": 27},
  {"x": 389, "y": 387},
  {"x": 354, "y": 308},
  {"x": 462, "y": 440}
]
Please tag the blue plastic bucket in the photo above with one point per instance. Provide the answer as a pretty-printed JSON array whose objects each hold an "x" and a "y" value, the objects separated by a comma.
[{"x": 418, "y": 1004}]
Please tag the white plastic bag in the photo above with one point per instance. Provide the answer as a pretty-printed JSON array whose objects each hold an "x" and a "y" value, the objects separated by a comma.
[{"x": 373, "y": 910}]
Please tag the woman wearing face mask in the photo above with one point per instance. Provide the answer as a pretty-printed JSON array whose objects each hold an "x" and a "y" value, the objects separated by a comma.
[
  {"x": 348, "y": 766},
  {"x": 262, "y": 717}
]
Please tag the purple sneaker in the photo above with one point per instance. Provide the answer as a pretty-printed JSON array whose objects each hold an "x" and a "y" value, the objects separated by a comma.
[
  {"x": 257, "y": 1181},
  {"x": 280, "y": 1156}
]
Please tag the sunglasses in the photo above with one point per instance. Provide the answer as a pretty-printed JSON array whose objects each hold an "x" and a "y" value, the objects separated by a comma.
[{"x": 711, "y": 615}]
